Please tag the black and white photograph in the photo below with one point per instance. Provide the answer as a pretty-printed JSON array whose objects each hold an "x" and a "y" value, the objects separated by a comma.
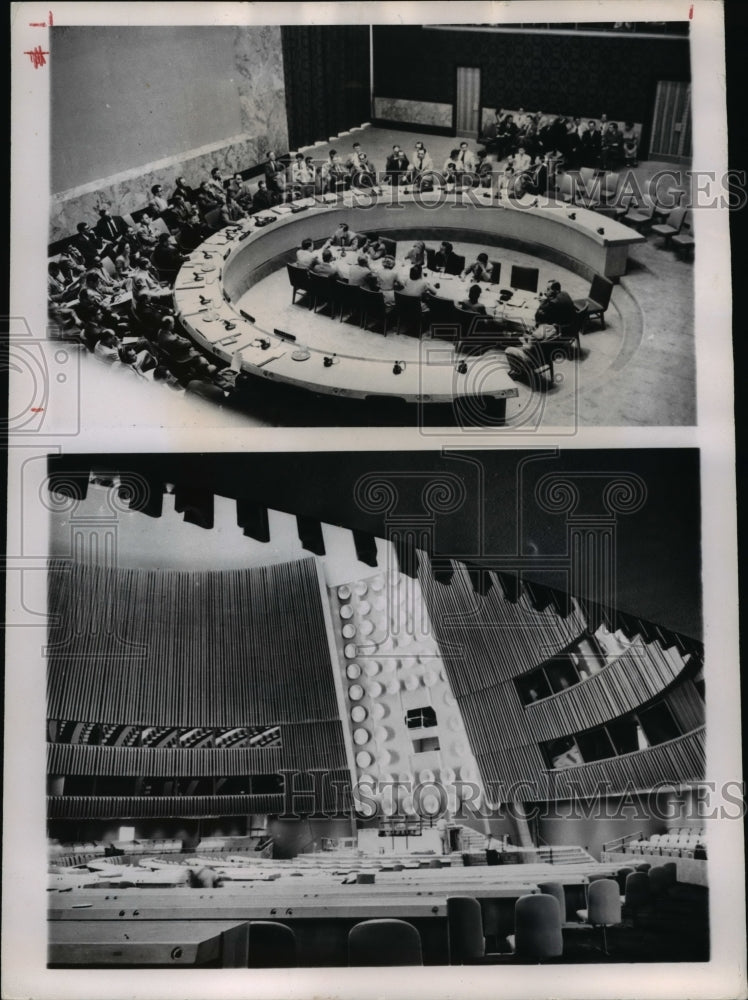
[
  {"x": 377, "y": 224},
  {"x": 371, "y": 572},
  {"x": 385, "y": 726}
]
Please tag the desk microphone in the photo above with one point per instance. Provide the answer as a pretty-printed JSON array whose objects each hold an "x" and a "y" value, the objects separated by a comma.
[
  {"x": 247, "y": 316},
  {"x": 462, "y": 368},
  {"x": 398, "y": 367}
]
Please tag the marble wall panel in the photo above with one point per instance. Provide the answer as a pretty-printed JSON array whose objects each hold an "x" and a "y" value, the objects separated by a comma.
[
  {"x": 418, "y": 112},
  {"x": 260, "y": 92}
]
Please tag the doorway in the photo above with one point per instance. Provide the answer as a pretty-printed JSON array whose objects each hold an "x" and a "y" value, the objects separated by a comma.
[
  {"x": 671, "y": 122},
  {"x": 467, "y": 105}
]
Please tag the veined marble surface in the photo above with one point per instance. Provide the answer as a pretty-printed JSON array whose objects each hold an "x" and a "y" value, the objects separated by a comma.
[
  {"x": 420, "y": 112},
  {"x": 258, "y": 63}
]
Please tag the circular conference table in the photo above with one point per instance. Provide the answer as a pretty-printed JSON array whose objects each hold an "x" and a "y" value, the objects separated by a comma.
[{"x": 219, "y": 272}]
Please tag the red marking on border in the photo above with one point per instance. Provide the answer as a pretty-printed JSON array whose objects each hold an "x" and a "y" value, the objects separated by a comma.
[
  {"x": 37, "y": 24},
  {"x": 690, "y": 13},
  {"x": 51, "y": 20},
  {"x": 37, "y": 409},
  {"x": 37, "y": 56}
]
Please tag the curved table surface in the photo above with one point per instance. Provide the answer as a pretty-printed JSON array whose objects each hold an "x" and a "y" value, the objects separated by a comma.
[{"x": 225, "y": 266}]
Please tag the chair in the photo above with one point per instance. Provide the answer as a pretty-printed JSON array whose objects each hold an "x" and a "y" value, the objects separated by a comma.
[
  {"x": 572, "y": 330},
  {"x": 640, "y": 215},
  {"x": 598, "y": 299},
  {"x": 664, "y": 205},
  {"x": 299, "y": 278},
  {"x": 384, "y": 942},
  {"x": 467, "y": 942},
  {"x": 643, "y": 867},
  {"x": 684, "y": 240},
  {"x": 556, "y": 890},
  {"x": 621, "y": 875},
  {"x": 455, "y": 264},
  {"x": 211, "y": 219},
  {"x": 537, "y": 928},
  {"x": 322, "y": 291},
  {"x": 430, "y": 258},
  {"x": 390, "y": 247},
  {"x": 271, "y": 946},
  {"x": 566, "y": 188},
  {"x": 372, "y": 304},
  {"x": 637, "y": 894},
  {"x": 524, "y": 278},
  {"x": 409, "y": 311},
  {"x": 672, "y": 873},
  {"x": 495, "y": 272},
  {"x": 346, "y": 299},
  {"x": 603, "y": 907},
  {"x": 543, "y": 354},
  {"x": 672, "y": 225}
]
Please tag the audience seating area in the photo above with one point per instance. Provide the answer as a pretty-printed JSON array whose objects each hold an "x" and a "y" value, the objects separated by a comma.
[
  {"x": 679, "y": 842},
  {"x": 526, "y": 914}
]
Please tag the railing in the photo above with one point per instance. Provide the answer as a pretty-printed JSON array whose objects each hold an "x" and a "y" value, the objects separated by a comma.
[{"x": 611, "y": 845}]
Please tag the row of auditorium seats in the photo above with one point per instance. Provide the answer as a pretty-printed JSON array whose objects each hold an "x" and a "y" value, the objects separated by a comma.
[
  {"x": 685, "y": 842},
  {"x": 665, "y": 215}
]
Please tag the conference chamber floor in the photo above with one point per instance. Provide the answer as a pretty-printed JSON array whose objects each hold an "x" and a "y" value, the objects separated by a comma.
[{"x": 639, "y": 371}]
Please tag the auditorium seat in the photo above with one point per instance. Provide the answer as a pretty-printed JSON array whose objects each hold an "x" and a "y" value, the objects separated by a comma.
[
  {"x": 347, "y": 299},
  {"x": 322, "y": 291},
  {"x": 603, "y": 907},
  {"x": 637, "y": 894},
  {"x": 684, "y": 242},
  {"x": 455, "y": 264},
  {"x": 524, "y": 279},
  {"x": 299, "y": 278},
  {"x": 597, "y": 300},
  {"x": 556, "y": 890},
  {"x": 467, "y": 942},
  {"x": 671, "y": 226},
  {"x": 384, "y": 942},
  {"x": 409, "y": 312},
  {"x": 537, "y": 928},
  {"x": 373, "y": 307},
  {"x": 271, "y": 945}
]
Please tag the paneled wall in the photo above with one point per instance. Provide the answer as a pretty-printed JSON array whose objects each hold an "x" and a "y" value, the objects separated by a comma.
[
  {"x": 558, "y": 74},
  {"x": 487, "y": 641},
  {"x": 134, "y": 106},
  {"x": 241, "y": 648}
]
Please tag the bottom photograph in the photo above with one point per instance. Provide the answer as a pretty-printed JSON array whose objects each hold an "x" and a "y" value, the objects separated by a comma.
[{"x": 376, "y": 709}]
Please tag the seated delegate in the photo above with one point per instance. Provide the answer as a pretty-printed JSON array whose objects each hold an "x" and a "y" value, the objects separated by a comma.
[{"x": 479, "y": 270}]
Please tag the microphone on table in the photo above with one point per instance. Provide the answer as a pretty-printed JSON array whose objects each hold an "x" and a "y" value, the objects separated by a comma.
[
  {"x": 247, "y": 316},
  {"x": 462, "y": 368},
  {"x": 398, "y": 367}
]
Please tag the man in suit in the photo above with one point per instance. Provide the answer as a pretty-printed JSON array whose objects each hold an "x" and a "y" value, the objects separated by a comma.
[
  {"x": 302, "y": 177},
  {"x": 334, "y": 174},
  {"x": 87, "y": 243},
  {"x": 166, "y": 258},
  {"x": 275, "y": 175},
  {"x": 343, "y": 236},
  {"x": 397, "y": 166},
  {"x": 465, "y": 160},
  {"x": 157, "y": 201},
  {"x": 445, "y": 259},
  {"x": 362, "y": 173},
  {"x": 359, "y": 272},
  {"x": 263, "y": 199},
  {"x": 555, "y": 313},
  {"x": 113, "y": 230}
]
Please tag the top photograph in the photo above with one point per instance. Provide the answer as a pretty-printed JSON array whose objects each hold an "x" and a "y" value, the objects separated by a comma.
[{"x": 446, "y": 226}]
